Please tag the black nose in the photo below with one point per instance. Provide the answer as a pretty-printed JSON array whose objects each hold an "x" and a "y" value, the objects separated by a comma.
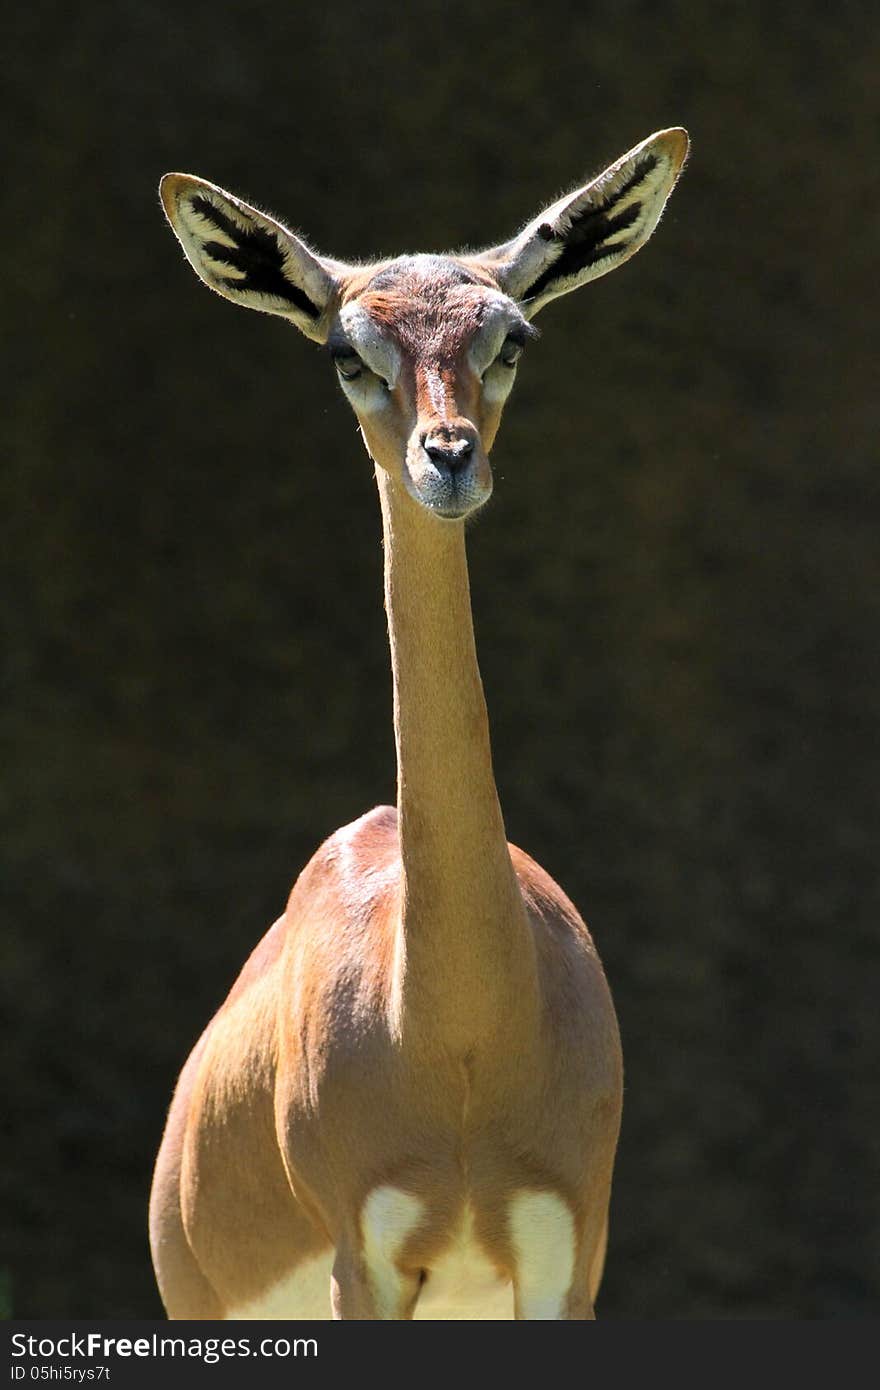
[{"x": 450, "y": 453}]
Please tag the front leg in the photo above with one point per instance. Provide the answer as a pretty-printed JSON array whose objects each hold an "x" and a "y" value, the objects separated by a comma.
[
  {"x": 369, "y": 1280},
  {"x": 548, "y": 1284},
  {"x": 379, "y": 1292}
]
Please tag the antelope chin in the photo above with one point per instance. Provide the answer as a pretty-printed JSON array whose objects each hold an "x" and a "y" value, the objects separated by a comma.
[{"x": 445, "y": 493}]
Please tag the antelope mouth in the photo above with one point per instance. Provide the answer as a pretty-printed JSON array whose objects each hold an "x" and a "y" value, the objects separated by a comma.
[{"x": 450, "y": 494}]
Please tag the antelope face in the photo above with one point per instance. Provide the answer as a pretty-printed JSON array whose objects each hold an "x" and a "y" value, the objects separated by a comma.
[
  {"x": 426, "y": 351},
  {"x": 426, "y": 347}
]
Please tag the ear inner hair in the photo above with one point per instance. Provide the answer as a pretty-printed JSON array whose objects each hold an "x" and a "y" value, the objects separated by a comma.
[{"x": 256, "y": 254}]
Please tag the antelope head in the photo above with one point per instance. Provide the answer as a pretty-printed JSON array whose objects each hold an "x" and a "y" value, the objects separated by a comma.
[{"x": 426, "y": 347}]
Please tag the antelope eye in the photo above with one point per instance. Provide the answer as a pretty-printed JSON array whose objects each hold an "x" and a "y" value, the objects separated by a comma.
[
  {"x": 348, "y": 365},
  {"x": 511, "y": 351}
]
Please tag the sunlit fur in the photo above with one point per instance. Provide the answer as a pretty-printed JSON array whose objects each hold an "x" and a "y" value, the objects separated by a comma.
[
  {"x": 412, "y": 1094},
  {"x": 442, "y": 325}
]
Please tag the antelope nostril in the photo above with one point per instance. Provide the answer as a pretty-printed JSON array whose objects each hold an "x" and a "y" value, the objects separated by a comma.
[{"x": 450, "y": 453}]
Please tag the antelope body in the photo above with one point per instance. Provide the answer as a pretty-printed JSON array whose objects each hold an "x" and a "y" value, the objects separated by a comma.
[{"x": 408, "y": 1105}]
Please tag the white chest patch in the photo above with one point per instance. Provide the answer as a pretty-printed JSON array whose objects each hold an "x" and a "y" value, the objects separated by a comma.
[
  {"x": 388, "y": 1218},
  {"x": 461, "y": 1284},
  {"x": 464, "y": 1284},
  {"x": 542, "y": 1235}
]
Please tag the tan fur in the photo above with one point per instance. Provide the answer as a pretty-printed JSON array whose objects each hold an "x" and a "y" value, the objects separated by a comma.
[
  {"x": 503, "y": 1094},
  {"x": 426, "y": 1039}
]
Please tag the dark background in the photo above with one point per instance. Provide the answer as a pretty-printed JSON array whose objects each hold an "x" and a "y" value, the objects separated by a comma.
[{"x": 675, "y": 590}]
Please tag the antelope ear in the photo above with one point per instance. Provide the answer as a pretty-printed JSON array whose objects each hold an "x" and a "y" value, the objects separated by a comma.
[
  {"x": 249, "y": 257},
  {"x": 593, "y": 229}
]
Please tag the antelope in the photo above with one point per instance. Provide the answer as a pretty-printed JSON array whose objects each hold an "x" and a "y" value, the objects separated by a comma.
[{"x": 408, "y": 1105}]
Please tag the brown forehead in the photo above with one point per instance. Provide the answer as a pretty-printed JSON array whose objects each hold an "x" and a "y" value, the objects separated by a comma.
[{"x": 424, "y": 300}]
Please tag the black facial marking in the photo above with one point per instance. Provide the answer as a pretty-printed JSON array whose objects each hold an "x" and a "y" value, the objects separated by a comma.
[
  {"x": 584, "y": 241},
  {"x": 258, "y": 254}
]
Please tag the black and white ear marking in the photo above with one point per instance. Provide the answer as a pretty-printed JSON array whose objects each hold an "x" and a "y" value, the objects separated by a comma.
[
  {"x": 594, "y": 229},
  {"x": 246, "y": 256}
]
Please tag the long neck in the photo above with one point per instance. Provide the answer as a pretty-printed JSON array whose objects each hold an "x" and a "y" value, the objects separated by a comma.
[{"x": 463, "y": 916}]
